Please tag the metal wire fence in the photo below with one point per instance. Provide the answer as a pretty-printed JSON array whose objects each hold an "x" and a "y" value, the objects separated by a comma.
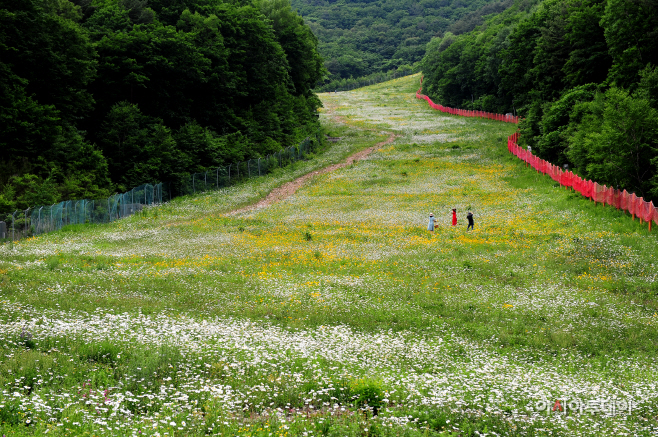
[
  {"x": 220, "y": 177},
  {"x": 47, "y": 218}
]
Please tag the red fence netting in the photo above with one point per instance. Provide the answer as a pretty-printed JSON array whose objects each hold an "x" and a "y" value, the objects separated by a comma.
[
  {"x": 508, "y": 118},
  {"x": 637, "y": 206}
]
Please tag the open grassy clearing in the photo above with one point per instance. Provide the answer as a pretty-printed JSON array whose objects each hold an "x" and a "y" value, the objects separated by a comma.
[{"x": 287, "y": 320}]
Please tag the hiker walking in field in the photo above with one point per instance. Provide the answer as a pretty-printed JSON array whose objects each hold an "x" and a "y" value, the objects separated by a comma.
[
  {"x": 454, "y": 217},
  {"x": 469, "y": 216},
  {"x": 431, "y": 225}
]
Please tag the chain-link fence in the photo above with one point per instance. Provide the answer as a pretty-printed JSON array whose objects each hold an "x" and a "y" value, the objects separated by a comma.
[
  {"x": 220, "y": 177},
  {"x": 39, "y": 219},
  {"x": 47, "y": 218}
]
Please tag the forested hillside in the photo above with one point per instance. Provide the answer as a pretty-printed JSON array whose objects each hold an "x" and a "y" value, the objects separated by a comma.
[
  {"x": 581, "y": 72},
  {"x": 359, "y": 38},
  {"x": 99, "y": 96}
]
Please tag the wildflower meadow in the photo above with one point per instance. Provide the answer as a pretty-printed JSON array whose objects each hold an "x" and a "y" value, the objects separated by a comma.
[{"x": 335, "y": 312}]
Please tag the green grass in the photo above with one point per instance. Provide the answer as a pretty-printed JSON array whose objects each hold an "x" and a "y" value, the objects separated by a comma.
[{"x": 304, "y": 316}]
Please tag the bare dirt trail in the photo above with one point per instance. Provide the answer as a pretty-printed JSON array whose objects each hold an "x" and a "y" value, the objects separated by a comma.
[{"x": 288, "y": 189}]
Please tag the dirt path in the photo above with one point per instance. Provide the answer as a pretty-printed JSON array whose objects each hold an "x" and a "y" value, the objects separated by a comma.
[{"x": 288, "y": 189}]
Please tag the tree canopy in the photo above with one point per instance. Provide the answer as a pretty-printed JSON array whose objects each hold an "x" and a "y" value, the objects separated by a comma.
[
  {"x": 365, "y": 37},
  {"x": 581, "y": 73},
  {"x": 103, "y": 95}
]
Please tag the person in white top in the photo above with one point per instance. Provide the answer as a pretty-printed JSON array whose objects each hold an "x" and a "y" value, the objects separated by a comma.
[{"x": 431, "y": 225}]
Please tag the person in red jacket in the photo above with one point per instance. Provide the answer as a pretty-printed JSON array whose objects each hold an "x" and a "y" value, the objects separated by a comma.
[{"x": 454, "y": 217}]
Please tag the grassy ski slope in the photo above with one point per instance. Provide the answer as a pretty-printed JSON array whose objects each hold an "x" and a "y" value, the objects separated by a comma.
[{"x": 335, "y": 312}]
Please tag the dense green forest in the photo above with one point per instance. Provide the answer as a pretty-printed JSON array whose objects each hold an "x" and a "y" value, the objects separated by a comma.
[
  {"x": 98, "y": 96},
  {"x": 368, "y": 37},
  {"x": 582, "y": 73}
]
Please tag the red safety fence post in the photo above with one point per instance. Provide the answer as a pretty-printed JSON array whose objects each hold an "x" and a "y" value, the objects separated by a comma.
[
  {"x": 594, "y": 192},
  {"x": 644, "y": 210}
]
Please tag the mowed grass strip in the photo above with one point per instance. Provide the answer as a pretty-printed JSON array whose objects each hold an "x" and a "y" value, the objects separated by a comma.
[{"x": 311, "y": 316}]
